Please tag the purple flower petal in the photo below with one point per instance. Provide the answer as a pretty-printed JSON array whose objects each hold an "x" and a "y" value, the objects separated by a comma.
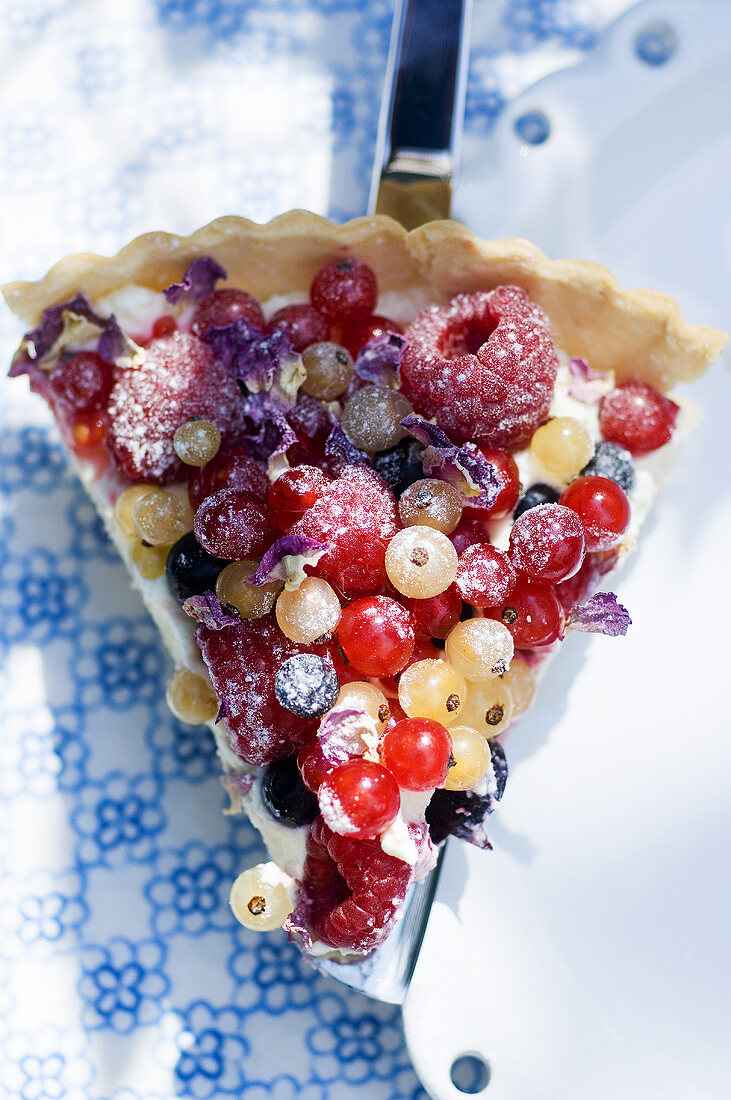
[
  {"x": 588, "y": 386},
  {"x": 198, "y": 282},
  {"x": 601, "y": 614},
  {"x": 296, "y": 923},
  {"x": 261, "y": 362},
  {"x": 342, "y": 452},
  {"x": 74, "y": 323},
  {"x": 285, "y": 561},
  {"x": 341, "y": 733},
  {"x": 237, "y": 786},
  {"x": 378, "y": 360},
  {"x": 207, "y": 609},
  {"x": 466, "y": 468}
]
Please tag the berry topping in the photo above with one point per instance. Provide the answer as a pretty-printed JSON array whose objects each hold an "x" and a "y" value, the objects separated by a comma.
[
  {"x": 164, "y": 326},
  {"x": 485, "y": 575},
  {"x": 190, "y": 569},
  {"x": 611, "y": 460},
  {"x": 480, "y": 648},
  {"x": 417, "y": 752},
  {"x": 344, "y": 290},
  {"x": 400, "y": 466},
  {"x": 372, "y": 418},
  {"x": 437, "y": 615},
  {"x": 308, "y": 612},
  {"x": 432, "y": 689},
  {"x": 359, "y": 799},
  {"x": 307, "y": 685},
  {"x": 259, "y": 899},
  {"x": 421, "y": 562},
  {"x": 547, "y": 543},
  {"x": 468, "y": 531},
  {"x": 358, "y": 335},
  {"x": 178, "y": 380},
  {"x": 313, "y": 765},
  {"x": 161, "y": 518},
  {"x": 233, "y": 469},
  {"x": 577, "y": 588},
  {"x": 197, "y": 442},
  {"x": 243, "y": 661},
  {"x": 222, "y": 308},
  {"x": 484, "y": 365},
  {"x": 562, "y": 447},
  {"x": 377, "y": 635},
  {"x": 234, "y": 524},
  {"x": 507, "y": 472},
  {"x": 471, "y": 755},
  {"x": 312, "y": 424},
  {"x": 301, "y": 324},
  {"x": 431, "y": 503},
  {"x": 295, "y": 491},
  {"x": 531, "y": 498},
  {"x": 638, "y": 417},
  {"x": 81, "y": 383},
  {"x": 602, "y": 507},
  {"x": 489, "y": 707},
  {"x": 355, "y": 517},
  {"x": 353, "y": 889},
  {"x": 329, "y": 371},
  {"x": 285, "y": 796},
  {"x": 191, "y": 698},
  {"x": 532, "y": 614},
  {"x": 238, "y": 596}
]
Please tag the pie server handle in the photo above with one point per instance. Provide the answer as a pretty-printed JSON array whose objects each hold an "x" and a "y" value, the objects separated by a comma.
[{"x": 422, "y": 111}]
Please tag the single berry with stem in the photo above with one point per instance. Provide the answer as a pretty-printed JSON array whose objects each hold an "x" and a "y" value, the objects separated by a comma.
[
  {"x": 532, "y": 614},
  {"x": 344, "y": 290}
]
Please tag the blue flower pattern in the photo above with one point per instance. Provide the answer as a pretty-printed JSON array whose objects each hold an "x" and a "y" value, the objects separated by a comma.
[{"x": 115, "y": 863}]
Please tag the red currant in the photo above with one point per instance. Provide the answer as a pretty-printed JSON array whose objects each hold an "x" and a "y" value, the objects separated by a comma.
[
  {"x": 356, "y": 336},
  {"x": 83, "y": 382},
  {"x": 417, "y": 752},
  {"x": 313, "y": 765},
  {"x": 532, "y": 614},
  {"x": 344, "y": 290},
  {"x": 577, "y": 588},
  {"x": 509, "y": 492},
  {"x": 164, "y": 326},
  {"x": 88, "y": 429},
  {"x": 437, "y": 615},
  {"x": 637, "y": 416},
  {"x": 234, "y": 524},
  {"x": 301, "y": 324},
  {"x": 377, "y": 635},
  {"x": 233, "y": 469},
  {"x": 602, "y": 507},
  {"x": 485, "y": 575},
  {"x": 547, "y": 543},
  {"x": 223, "y": 307},
  {"x": 295, "y": 491},
  {"x": 359, "y": 799},
  {"x": 469, "y": 530}
]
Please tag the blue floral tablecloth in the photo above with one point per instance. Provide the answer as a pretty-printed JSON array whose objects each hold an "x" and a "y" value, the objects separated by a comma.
[{"x": 122, "y": 972}]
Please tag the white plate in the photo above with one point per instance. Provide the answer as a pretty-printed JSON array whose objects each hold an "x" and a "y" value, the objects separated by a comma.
[{"x": 588, "y": 956}]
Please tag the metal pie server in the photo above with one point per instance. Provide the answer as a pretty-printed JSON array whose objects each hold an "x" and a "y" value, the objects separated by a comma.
[{"x": 417, "y": 154}]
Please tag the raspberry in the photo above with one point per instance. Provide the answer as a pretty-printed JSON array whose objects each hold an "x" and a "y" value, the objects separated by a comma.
[
  {"x": 233, "y": 469},
  {"x": 352, "y": 888},
  {"x": 357, "y": 515},
  {"x": 301, "y": 324},
  {"x": 223, "y": 307},
  {"x": 344, "y": 290},
  {"x": 178, "y": 380},
  {"x": 638, "y": 417},
  {"x": 484, "y": 365},
  {"x": 243, "y": 661}
]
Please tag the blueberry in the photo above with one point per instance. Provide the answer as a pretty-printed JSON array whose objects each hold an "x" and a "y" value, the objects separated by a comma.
[
  {"x": 531, "y": 498},
  {"x": 307, "y": 685},
  {"x": 457, "y": 813},
  {"x": 191, "y": 570},
  {"x": 401, "y": 465},
  {"x": 613, "y": 461},
  {"x": 285, "y": 795},
  {"x": 499, "y": 766}
]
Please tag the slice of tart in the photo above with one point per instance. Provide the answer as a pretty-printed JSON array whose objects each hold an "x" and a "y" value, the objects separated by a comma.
[{"x": 366, "y": 482}]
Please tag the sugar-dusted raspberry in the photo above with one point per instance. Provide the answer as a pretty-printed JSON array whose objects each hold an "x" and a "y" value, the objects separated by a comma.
[
  {"x": 353, "y": 889},
  {"x": 344, "y": 290},
  {"x": 301, "y": 324},
  {"x": 357, "y": 516},
  {"x": 234, "y": 469},
  {"x": 484, "y": 365},
  {"x": 179, "y": 380},
  {"x": 243, "y": 661},
  {"x": 223, "y": 307},
  {"x": 638, "y": 417}
]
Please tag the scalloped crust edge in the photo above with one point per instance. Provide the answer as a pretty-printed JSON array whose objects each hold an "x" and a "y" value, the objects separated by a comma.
[{"x": 635, "y": 333}]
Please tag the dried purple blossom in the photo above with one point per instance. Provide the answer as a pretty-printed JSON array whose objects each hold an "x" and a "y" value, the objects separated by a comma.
[
  {"x": 601, "y": 614},
  {"x": 588, "y": 386},
  {"x": 73, "y": 323},
  {"x": 378, "y": 360},
  {"x": 198, "y": 282},
  {"x": 341, "y": 734},
  {"x": 263, "y": 363},
  {"x": 342, "y": 452},
  {"x": 466, "y": 468},
  {"x": 285, "y": 560},
  {"x": 208, "y": 609}
]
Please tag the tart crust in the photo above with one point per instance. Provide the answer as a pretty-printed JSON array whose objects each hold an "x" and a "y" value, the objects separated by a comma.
[{"x": 635, "y": 333}]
